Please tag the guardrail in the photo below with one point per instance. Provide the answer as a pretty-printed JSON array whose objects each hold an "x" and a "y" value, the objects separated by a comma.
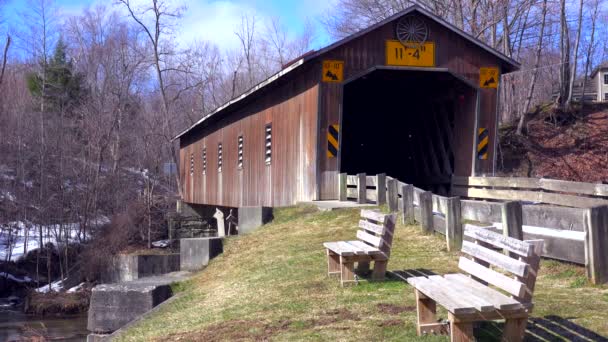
[{"x": 572, "y": 234}]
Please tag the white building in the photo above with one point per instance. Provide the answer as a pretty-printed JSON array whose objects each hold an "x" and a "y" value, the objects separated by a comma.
[{"x": 600, "y": 80}]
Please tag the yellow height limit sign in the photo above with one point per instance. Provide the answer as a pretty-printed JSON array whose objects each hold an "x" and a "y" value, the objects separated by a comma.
[
  {"x": 415, "y": 54},
  {"x": 333, "y": 71}
]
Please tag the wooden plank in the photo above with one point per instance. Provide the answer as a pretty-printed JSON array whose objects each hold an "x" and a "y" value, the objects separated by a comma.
[
  {"x": 351, "y": 193},
  {"x": 500, "y": 280},
  {"x": 457, "y": 290},
  {"x": 417, "y": 214},
  {"x": 371, "y": 181},
  {"x": 334, "y": 247},
  {"x": 407, "y": 204},
  {"x": 342, "y": 187},
  {"x": 559, "y": 244},
  {"x": 371, "y": 195},
  {"x": 530, "y": 196},
  {"x": 381, "y": 189},
  {"x": 352, "y": 180},
  {"x": 596, "y": 244},
  {"x": 439, "y": 224},
  {"x": 479, "y": 211},
  {"x": 499, "y": 300},
  {"x": 441, "y": 296},
  {"x": 361, "y": 189},
  {"x": 553, "y": 217},
  {"x": 426, "y": 211},
  {"x": 369, "y": 250},
  {"x": 373, "y": 215},
  {"x": 417, "y": 193},
  {"x": 345, "y": 246},
  {"x": 494, "y": 258},
  {"x": 593, "y": 189},
  {"x": 439, "y": 204},
  {"x": 533, "y": 265},
  {"x": 453, "y": 224},
  {"x": 516, "y": 246},
  {"x": 378, "y": 229},
  {"x": 369, "y": 238},
  {"x": 504, "y": 182}
]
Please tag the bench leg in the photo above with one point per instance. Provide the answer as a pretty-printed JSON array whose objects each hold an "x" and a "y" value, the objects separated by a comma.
[
  {"x": 427, "y": 311},
  {"x": 460, "y": 331},
  {"x": 515, "y": 330},
  {"x": 347, "y": 271},
  {"x": 333, "y": 263},
  {"x": 379, "y": 269},
  {"x": 363, "y": 267}
]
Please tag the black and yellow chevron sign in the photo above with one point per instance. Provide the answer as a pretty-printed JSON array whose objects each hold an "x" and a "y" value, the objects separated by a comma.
[
  {"x": 333, "y": 140},
  {"x": 482, "y": 143}
]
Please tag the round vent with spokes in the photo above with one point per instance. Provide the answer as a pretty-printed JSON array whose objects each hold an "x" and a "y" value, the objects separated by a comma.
[{"x": 412, "y": 31}]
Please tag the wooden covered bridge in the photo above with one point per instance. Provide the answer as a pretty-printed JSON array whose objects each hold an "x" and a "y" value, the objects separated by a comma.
[{"x": 411, "y": 96}]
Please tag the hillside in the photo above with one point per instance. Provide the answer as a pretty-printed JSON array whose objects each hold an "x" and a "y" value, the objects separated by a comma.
[
  {"x": 272, "y": 285},
  {"x": 559, "y": 146}
]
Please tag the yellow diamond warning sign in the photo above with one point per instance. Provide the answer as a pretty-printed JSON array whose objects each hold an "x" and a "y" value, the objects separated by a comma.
[
  {"x": 416, "y": 55},
  {"x": 489, "y": 77},
  {"x": 333, "y": 71}
]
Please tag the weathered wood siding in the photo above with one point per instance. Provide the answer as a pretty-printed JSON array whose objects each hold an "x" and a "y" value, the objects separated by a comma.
[
  {"x": 452, "y": 51},
  {"x": 291, "y": 108}
]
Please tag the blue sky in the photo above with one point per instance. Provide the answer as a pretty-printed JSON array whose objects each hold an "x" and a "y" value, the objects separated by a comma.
[{"x": 213, "y": 20}]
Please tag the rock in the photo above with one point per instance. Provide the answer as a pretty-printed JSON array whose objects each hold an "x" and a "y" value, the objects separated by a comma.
[{"x": 161, "y": 243}]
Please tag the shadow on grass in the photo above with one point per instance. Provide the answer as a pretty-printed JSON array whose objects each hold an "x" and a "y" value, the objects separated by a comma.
[
  {"x": 403, "y": 275},
  {"x": 548, "y": 328}
]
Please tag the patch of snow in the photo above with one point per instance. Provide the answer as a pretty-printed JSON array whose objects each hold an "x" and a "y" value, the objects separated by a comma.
[
  {"x": 55, "y": 286},
  {"x": 25, "y": 279},
  {"x": 161, "y": 244},
  {"x": 76, "y": 288},
  {"x": 7, "y": 195}
]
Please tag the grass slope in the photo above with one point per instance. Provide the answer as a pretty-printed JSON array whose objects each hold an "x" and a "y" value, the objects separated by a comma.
[{"x": 272, "y": 285}]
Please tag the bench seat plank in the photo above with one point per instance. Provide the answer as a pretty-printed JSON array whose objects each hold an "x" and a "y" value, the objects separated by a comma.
[
  {"x": 517, "y": 267},
  {"x": 499, "y": 300},
  {"x": 455, "y": 290},
  {"x": 369, "y": 250},
  {"x": 453, "y": 304},
  {"x": 371, "y": 227},
  {"x": 373, "y": 215},
  {"x": 369, "y": 238},
  {"x": 512, "y": 245},
  {"x": 500, "y": 280},
  {"x": 338, "y": 249}
]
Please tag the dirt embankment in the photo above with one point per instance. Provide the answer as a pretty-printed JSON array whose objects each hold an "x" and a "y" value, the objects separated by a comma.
[{"x": 569, "y": 146}]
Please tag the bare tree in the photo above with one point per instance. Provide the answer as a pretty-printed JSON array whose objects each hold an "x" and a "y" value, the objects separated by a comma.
[
  {"x": 539, "y": 48},
  {"x": 157, "y": 30},
  {"x": 594, "y": 16},
  {"x": 575, "y": 58}
]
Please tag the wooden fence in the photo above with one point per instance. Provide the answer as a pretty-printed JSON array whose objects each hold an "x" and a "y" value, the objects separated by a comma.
[
  {"x": 577, "y": 235},
  {"x": 550, "y": 191}
]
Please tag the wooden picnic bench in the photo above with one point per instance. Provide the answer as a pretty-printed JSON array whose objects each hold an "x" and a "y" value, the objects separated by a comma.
[
  {"x": 374, "y": 244},
  {"x": 469, "y": 298}
]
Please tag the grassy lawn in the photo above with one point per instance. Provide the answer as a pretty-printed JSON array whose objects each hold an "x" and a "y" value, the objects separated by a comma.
[{"x": 272, "y": 285}]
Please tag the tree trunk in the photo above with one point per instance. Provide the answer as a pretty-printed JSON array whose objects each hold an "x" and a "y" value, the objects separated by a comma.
[
  {"x": 575, "y": 59},
  {"x": 539, "y": 48},
  {"x": 589, "y": 51}
]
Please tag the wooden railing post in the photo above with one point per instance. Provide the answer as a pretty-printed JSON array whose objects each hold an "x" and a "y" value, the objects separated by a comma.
[
  {"x": 393, "y": 195},
  {"x": 596, "y": 244},
  {"x": 512, "y": 221},
  {"x": 381, "y": 188},
  {"x": 343, "y": 187},
  {"x": 453, "y": 224},
  {"x": 407, "y": 203},
  {"x": 361, "y": 188},
  {"x": 426, "y": 212}
]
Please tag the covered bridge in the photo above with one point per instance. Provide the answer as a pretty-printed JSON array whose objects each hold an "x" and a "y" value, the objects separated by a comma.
[{"x": 411, "y": 96}]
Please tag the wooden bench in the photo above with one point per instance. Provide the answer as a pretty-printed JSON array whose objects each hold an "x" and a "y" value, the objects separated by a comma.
[
  {"x": 469, "y": 298},
  {"x": 374, "y": 244}
]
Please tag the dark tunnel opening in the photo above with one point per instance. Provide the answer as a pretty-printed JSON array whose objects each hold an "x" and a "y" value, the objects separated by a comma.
[{"x": 401, "y": 123}]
